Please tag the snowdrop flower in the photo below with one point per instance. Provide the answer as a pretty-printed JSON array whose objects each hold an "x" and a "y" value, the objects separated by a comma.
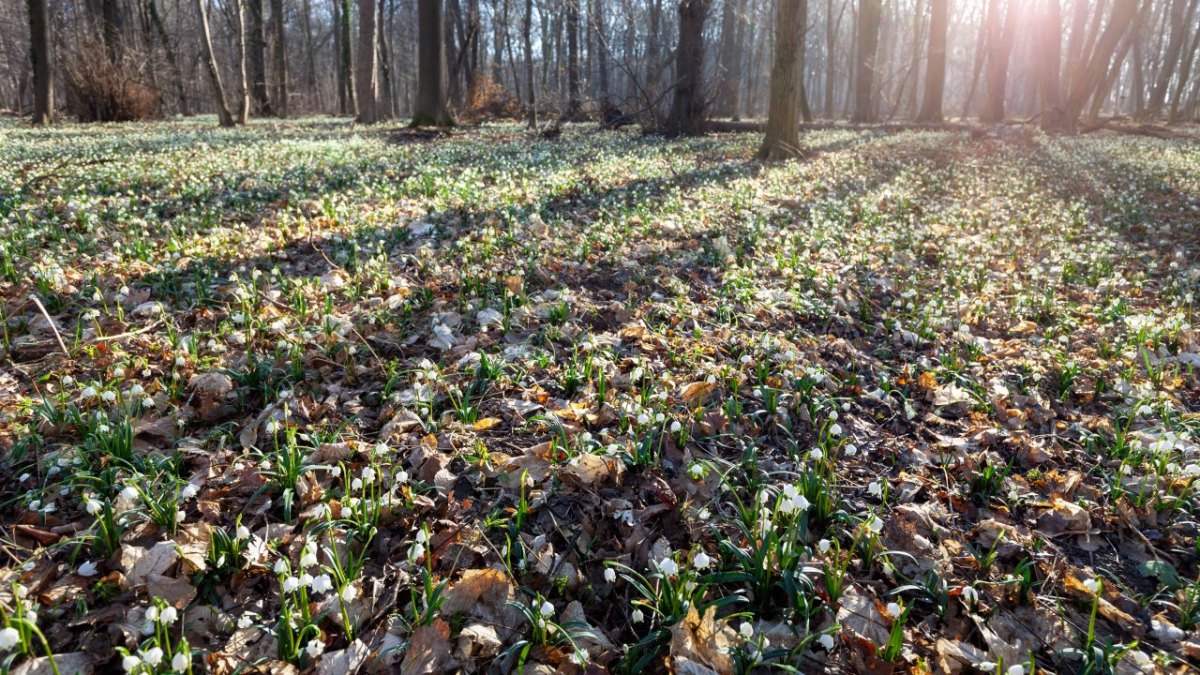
[
  {"x": 643, "y": 419},
  {"x": 676, "y": 426},
  {"x": 823, "y": 546},
  {"x": 68, "y": 381},
  {"x": 636, "y": 616},
  {"x": 416, "y": 551},
  {"x": 290, "y": 584},
  {"x": 181, "y": 661},
  {"x": 245, "y": 621},
  {"x": 314, "y": 648},
  {"x": 88, "y": 393},
  {"x": 243, "y": 532},
  {"x": 136, "y": 390},
  {"x": 153, "y": 656},
  {"x": 93, "y": 506},
  {"x": 189, "y": 491},
  {"x": 835, "y": 430},
  {"x": 309, "y": 558},
  {"x": 850, "y": 450},
  {"x": 970, "y": 594},
  {"x": 306, "y": 579},
  {"x": 1093, "y": 585},
  {"x": 356, "y": 484},
  {"x": 874, "y": 524},
  {"x": 610, "y": 575},
  {"x": 816, "y": 454},
  {"x": 701, "y": 561},
  {"x": 130, "y": 663},
  {"x": 368, "y": 474},
  {"x": 986, "y": 666},
  {"x": 349, "y": 593},
  {"x": 875, "y": 489},
  {"x": 1020, "y": 670},
  {"x": 826, "y": 641},
  {"x": 668, "y": 567},
  {"x": 746, "y": 630},
  {"x": 322, "y": 584},
  {"x": 169, "y": 615},
  {"x": 87, "y": 569},
  {"x": 893, "y": 610},
  {"x": 129, "y": 493},
  {"x": 281, "y": 566},
  {"x": 109, "y": 396},
  {"x": 9, "y": 637},
  {"x": 546, "y": 609}
]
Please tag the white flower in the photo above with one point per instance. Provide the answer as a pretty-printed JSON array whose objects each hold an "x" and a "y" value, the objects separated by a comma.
[
  {"x": 746, "y": 630},
  {"x": 676, "y": 426},
  {"x": 87, "y": 569},
  {"x": 643, "y": 419},
  {"x": 1020, "y": 669},
  {"x": 349, "y": 593},
  {"x": 893, "y": 610},
  {"x": 368, "y": 474},
  {"x": 322, "y": 584},
  {"x": 93, "y": 506},
  {"x": 416, "y": 551},
  {"x": 290, "y": 584},
  {"x": 281, "y": 566},
  {"x": 637, "y": 616},
  {"x": 850, "y": 450},
  {"x": 816, "y": 454},
  {"x": 245, "y": 621},
  {"x": 826, "y": 641},
  {"x": 701, "y": 561},
  {"x": 109, "y": 396},
  {"x": 129, "y": 493},
  {"x": 152, "y": 613},
  {"x": 308, "y": 559},
  {"x": 546, "y": 609},
  {"x": 875, "y": 489},
  {"x": 306, "y": 579},
  {"x": 610, "y": 575},
  {"x": 970, "y": 594},
  {"x": 836, "y": 430},
  {"x": 668, "y": 567},
  {"x": 1093, "y": 585},
  {"x": 130, "y": 663},
  {"x": 243, "y": 532},
  {"x": 181, "y": 661},
  {"x": 88, "y": 392},
  {"x": 9, "y": 637},
  {"x": 153, "y": 656},
  {"x": 189, "y": 491},
  {"x": 823, "y": 546},
  {"x": 874, "y": 524},
  {"x": 169, "y": 615},
  {"x": 314, "y": 648},
  {"x": 986, "y": 666}
]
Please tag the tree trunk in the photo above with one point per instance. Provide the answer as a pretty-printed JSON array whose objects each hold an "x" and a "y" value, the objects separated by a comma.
[
  {"x": 869, "y": 12},
  {"x": 602, "y": 56},
  {"x": 224, "y": 116},
  {"x": 1000, "y": 44},
  {"x": 243, "y": 76},
  {"x": 1086, "y": 81},
  {"x": 527, "y": 38},
  {"x": 280, "y": 54},
  {"x": 41, "y": 44},
  {"x": 348, "y": 95},
  {"x": 258, "y": 57},
  {"x": 687, "y": 106},
  {"x": 727, "y": 76},
  {"x": 1185, "y": 73},
  {"x": 1053, "y": 117},
  {"x": 430, "y": 108},
  {"x": 573, "y": 102},
  {"x": 935, "y": 66},
  {"x": 783, "y": 112},
  {"x": 1179, "y": 33},
  {"x": 386, "y": 90},
  {"x": 367, "y": 73}
]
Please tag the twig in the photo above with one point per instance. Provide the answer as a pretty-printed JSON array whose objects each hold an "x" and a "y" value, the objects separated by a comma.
[
  {"x": 62, "y": 345},
  {"x": 119, "y": 336}
]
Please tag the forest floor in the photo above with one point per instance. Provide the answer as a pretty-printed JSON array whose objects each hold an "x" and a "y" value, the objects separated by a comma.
[{"x": 367, "y": 400}]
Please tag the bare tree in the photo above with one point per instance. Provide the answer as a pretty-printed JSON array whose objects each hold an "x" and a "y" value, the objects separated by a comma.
[
  {"x": 280, "y": 57},
  {"x": 40, "y": 54},
  {"x": 257, "y": 49},
  {"x": 935, "y": 63},
  {"x": 687, "y": 107},
  {"x": 367, "y": 74},
  {"x": 431, "y": 108},
  {"x": 527, "y": 35},
  {"x": 783, "y": 112},
  {"x": 869, "y": 16},
  {"x": 224, "y": 116},
  {"x": 1000, "y": 43}
]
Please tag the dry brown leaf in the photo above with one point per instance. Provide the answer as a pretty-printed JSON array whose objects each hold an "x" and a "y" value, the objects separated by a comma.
[
  {"x": 428, "y": 650},
  {"x": 701, "y": 640}
]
